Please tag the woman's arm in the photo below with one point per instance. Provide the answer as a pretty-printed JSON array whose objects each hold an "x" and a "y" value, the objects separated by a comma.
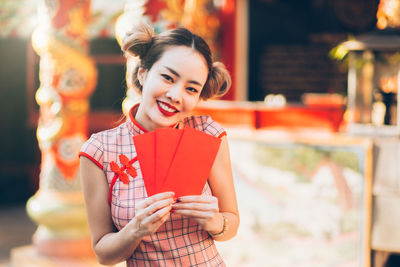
[
  {"x": 110, "y": 246},
  {"x": 222, "y": 187},
  {"x": 208, "y": 210}
]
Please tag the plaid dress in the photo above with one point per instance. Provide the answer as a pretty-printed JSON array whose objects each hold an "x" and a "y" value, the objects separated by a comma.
[{"x": 179, "y": 241}]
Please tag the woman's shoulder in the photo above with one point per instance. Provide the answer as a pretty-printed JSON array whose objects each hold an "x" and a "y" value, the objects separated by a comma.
[
  {"x": 205, "y": 124},
  {"x": 104, "y": 137},
  {"x": 102, "y": 142},
  {"x": 120, "y": 129}
]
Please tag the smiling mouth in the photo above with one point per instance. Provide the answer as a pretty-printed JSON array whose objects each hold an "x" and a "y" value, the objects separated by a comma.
[{"x": 166, "y": 109}]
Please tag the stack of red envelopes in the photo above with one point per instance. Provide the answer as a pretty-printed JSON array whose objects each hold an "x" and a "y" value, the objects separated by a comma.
[{"x": 176, "y": 160}]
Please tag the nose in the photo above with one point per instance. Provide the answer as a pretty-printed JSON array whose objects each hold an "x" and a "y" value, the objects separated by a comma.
[{"x": 174, "y": 93}]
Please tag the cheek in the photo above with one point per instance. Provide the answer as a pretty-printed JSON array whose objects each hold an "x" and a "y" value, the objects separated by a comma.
[
  {"x": 191, "y": 103},
  {"x": 157, "y": 88},
  {"x": 149, "y": 92}
]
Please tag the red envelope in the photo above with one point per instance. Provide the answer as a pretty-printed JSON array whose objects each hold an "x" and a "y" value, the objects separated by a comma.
[
  {"x": 176, "y": 160},
  {"x": 145, "y": 149},
  {"x": 192, "y": 163},
  {"x": 166, "y": 143}
]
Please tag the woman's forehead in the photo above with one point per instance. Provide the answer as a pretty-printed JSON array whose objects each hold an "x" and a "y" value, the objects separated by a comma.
[
  {"x": 179, "y": 52},
  {"x": 184, "y": 61}
]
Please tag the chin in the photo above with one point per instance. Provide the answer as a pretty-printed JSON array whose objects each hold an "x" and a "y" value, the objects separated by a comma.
[{"x": 162, "y": 123}]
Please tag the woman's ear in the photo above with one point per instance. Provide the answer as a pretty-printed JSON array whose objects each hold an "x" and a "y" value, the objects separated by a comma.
[{"x": 142, "y": 73}]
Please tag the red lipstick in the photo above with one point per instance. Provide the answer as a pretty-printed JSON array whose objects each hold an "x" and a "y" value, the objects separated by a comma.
[{"x": 164, "y": 111}]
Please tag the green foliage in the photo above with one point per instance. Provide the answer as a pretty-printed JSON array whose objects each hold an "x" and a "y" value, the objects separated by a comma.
[{"x": 340, "y": 54}]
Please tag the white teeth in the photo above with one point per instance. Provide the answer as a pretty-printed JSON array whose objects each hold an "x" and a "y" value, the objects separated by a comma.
[{"x": 165, "y": 107}]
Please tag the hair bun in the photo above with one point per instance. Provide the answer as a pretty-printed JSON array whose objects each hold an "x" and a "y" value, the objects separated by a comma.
[
  {"x": 221, "y": 78},
  {"x": 137, "y": 41}
]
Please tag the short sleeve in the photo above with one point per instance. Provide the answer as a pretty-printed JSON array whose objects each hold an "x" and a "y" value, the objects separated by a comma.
[
  {"x": 93, "y": 150},
  {"x": 212, "y": 127}
]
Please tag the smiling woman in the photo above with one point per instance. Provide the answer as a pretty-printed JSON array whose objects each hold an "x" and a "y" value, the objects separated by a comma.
[
  {"x": 171, "y": 88},
  {"x": 126, "y": 220}
]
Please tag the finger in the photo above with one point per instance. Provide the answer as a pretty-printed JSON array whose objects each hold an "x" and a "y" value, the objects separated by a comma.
[
  {"x": 159, "y": 205},
  {"x": 158, "y": 223},
  {"x": 162, "y": 195},
  {"x": 158, "y": 215},
  {"x": 157, "y": 197},
  {"x": 143, "y": 213},
  {"x": 195, "y": 214},
  {"x": 203, "y": 199},
  {"x": 163, "y": 218},
  {"x": 196, "y": 206}
]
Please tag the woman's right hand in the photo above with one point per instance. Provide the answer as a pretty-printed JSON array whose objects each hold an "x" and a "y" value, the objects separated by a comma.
[{"x": 151, "y": 213}]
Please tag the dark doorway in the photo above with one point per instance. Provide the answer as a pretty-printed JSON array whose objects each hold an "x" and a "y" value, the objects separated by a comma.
[{"x": 289, "y": 43}]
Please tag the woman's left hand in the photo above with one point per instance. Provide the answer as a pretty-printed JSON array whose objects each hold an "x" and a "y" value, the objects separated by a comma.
[{"x": 203, "y": 209}]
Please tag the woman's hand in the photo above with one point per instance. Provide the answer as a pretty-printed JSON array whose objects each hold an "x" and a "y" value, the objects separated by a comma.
[
  {"x": 203, "y": 209},
  {"x": 151, "y": 213}
]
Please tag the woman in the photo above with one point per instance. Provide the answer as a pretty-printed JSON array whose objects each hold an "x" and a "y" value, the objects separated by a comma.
[{"x": 175, "y": 71}]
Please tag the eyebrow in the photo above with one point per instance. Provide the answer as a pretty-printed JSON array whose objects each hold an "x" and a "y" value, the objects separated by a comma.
[{"x": 177, "y": 75}]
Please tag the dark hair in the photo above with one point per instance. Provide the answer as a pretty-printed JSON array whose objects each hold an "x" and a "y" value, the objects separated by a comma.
[{"x": 149, "y": 48}]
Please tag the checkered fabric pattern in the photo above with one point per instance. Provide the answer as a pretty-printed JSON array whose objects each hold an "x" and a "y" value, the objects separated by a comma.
[{"x": 179, "y": 241}]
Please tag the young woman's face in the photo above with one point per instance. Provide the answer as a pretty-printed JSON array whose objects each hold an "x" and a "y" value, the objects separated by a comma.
[{"x": 171, "y": 88}]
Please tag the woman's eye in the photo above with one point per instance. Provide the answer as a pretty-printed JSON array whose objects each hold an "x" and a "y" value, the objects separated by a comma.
[
  {"x": 167, "y": 77},
  {"x": 191, "y": 89}
]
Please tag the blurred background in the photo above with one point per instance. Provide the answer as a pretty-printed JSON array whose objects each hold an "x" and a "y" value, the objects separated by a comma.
[{"x": 311, "y": 119}]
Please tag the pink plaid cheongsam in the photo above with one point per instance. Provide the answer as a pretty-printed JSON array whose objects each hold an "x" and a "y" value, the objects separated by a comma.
[{"x": 179, "y": 241}]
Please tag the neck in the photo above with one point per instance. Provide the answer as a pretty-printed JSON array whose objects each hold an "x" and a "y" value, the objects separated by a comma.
[{"x": 144, "y": 120}]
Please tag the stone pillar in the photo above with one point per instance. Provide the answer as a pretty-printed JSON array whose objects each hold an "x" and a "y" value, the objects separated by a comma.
[{"x": 67, "y": 78}]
